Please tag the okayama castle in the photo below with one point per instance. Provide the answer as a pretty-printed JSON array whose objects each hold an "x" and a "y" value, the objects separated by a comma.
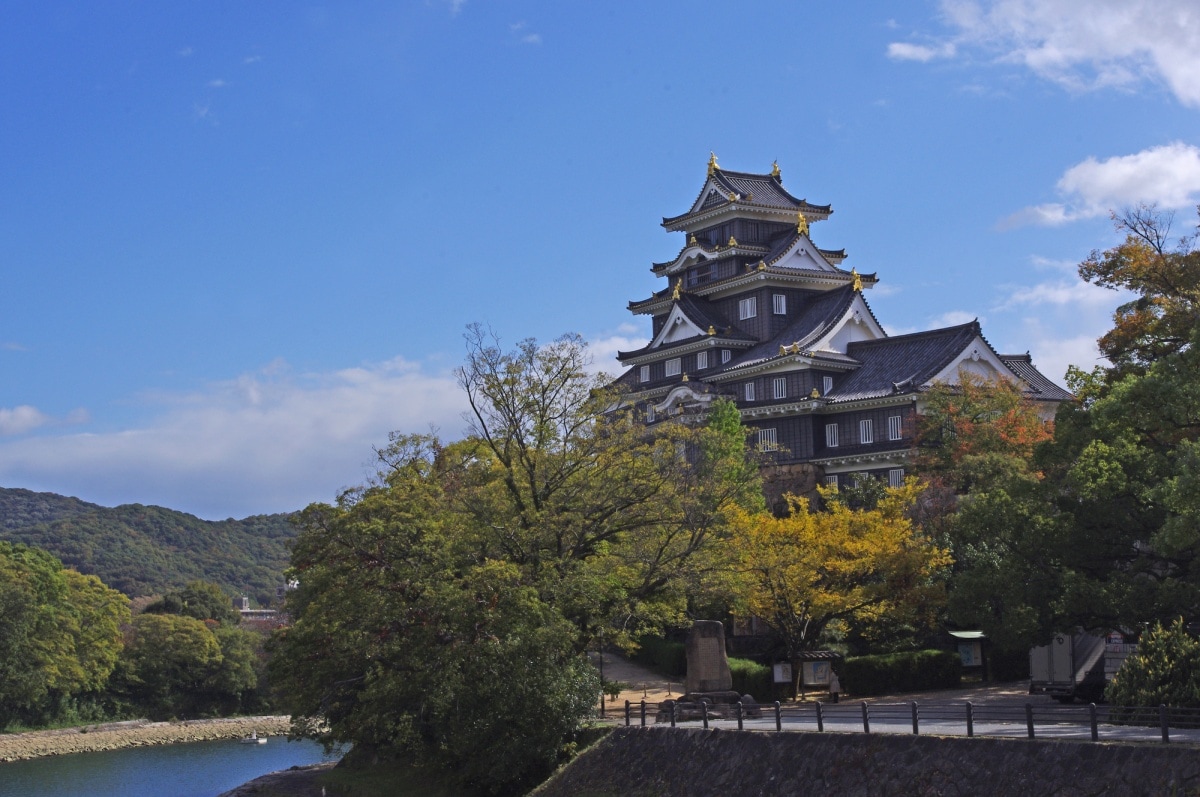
[{"x": 754, "y": 311}]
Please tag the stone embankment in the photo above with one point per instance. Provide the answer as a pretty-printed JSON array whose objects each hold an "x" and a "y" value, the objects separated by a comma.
[
  {"x": 658, "y": 762},
  {"x": 137, "y": 733}
]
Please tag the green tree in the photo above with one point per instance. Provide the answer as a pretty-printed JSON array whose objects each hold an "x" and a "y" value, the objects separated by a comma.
[
  {"x": 202, "y": 600},
  {"x": 58, "y": 633},
  {"x": 1165, "y": 670},
  {"x": 168, "y": 665},
  {"x": 452, "y": 600}
]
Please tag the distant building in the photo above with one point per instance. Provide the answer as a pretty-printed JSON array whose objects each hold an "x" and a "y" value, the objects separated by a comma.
[{"x": 754, "y": 311}]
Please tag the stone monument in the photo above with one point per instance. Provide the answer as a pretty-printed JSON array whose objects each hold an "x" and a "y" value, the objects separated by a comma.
[{"x": 707, "y": 664}]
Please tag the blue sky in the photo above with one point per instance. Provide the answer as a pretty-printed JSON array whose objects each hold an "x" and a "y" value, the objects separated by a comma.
[{"x": 241, "y": 241}]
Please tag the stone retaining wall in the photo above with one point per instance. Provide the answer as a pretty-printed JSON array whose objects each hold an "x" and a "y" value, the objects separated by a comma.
[
  {"x": 117, "y": 735},
  {"x": 658, "y": 762}
]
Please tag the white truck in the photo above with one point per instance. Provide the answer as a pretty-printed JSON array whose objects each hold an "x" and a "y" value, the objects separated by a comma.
[{"x": 1077, "y": 665}]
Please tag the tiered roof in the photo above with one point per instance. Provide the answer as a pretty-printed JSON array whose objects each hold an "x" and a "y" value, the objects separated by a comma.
[{"x": 726, "y": 192}]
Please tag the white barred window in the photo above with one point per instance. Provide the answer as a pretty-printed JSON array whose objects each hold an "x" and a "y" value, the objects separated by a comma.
[
  {"x": 831, "y": 435},
  {"x": 673, "y": 367},
  {"x": 649, "y": 413},
  {"x": 644, "y": 373},
  {"x": 701, "y": 360},
  {"x": 724, "y": 355},
  {"x": 767, "y": 440},
  {"x": 779, "y": 304},
  {"x": 747, "y": 308},
  {"x": 749, "y": 394},
  {"x": 827, "y": 385},
  {"x": 779, "y": 387},
  {"x": 895, "y": 477},
  {"x": 831, "y": 481},
  {"x": 895, "y": 427},
  {"x": 866, "y": 431}
]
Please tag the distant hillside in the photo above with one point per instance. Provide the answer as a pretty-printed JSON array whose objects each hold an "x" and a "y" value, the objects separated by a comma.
[{"x": 144, "y": 550}]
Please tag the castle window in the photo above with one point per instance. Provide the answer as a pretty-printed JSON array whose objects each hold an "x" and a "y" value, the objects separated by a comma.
[
  {"x": 767, "y": 440},
  {"x": 724, "y": 355},
  {"x": 749, "y": 391},
  {"x": 827, "y": 385},
  {"x": 895, "y": 427},
  {"x": 747, "y": 308},
  {"x": 895, "y": 477},
  {"x": 866, "y": 431},
  {"x": 644, "y": 373},
  {"x": 779, "y": 387},
  {"x": 673, "y": 367},
  {"x": 831, "y": 481},
  {"x": 701, "y": 360},
  {"x": 779, "y": 304},
  {"x": 649, "y": 413},
  {"x": 700, "y": 274},
  {"x": 831, "y": 435}
]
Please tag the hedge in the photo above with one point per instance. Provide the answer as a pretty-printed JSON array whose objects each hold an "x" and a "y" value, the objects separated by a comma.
[
  {"x": 900, "y": 672},
  {"x": 752, "y": 678}
]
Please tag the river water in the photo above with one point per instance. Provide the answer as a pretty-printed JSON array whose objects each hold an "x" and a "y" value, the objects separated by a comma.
[{"x": 197, "y": 769}]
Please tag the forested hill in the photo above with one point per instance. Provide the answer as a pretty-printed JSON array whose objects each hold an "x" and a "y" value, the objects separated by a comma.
[{"x": 148, "y": 550}]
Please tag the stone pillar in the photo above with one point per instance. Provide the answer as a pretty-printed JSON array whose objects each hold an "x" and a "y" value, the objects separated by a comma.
[{"x": 707, "y": 665}]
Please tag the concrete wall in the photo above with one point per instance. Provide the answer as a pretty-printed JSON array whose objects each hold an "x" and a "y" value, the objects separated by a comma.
[{"x": 660, "y": 762}]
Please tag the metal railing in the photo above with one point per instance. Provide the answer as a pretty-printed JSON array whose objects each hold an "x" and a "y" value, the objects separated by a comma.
[{"x": 945, "y": 718}]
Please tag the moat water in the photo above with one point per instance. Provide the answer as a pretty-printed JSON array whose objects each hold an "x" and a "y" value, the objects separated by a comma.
[{"x": 197, "y": 769}]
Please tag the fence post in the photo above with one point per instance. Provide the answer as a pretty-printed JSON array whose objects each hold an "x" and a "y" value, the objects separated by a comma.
[
  {"x": 820, "y": 718},
  {"x": 1029, "y": 718},
  {"x": 740, "y": 714},
  {"x": 778, "y": 717},
  {"x": 914, "y": 716},
  {"x": 1095, "y": 727},
  {"x": 643, "y": 713},
  {"x": 866, "y": 718},
  {"x": 626, "y": 713},
  {"x": 674, "y": 711},
  {"x": 704, "y": 712},
  {"x": 970, "y": 720},
  {"x": 1162, "y": 719}
]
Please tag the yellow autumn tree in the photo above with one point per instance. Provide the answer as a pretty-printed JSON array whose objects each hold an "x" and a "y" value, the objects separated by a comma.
[{"x": 802, "y": 572}]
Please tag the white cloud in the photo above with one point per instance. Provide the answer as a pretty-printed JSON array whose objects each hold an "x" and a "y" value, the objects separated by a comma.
[
  {"x": 218, "y": 83},
  {"x": 905, "y": 51},
  {"x": 21, "y": 419},
  {"x": 186, "y": 52},
  {"x": 12, "y": 346},
  {"x": 1080, "y": 45},
  {"x": 265, "y": 442},
  {"x": 251, "y": 59},
  {"x": 1061, "y": 293},
  {"x": 603, "y": 348},
  {"x": 1167, "y": 176},
  {"x": 952, "y": 319},
  {"x": 518, "y": 29}
]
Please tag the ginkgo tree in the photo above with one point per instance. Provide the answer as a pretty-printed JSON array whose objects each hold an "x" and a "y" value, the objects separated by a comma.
[{"x": 803, "y": 572}]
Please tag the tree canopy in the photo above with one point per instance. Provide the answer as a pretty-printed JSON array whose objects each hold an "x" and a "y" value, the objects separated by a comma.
[{"x": 443, "y": 610}]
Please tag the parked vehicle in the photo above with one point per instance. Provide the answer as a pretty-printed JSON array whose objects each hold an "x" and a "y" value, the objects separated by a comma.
[{"x": 1077, "y": 665}]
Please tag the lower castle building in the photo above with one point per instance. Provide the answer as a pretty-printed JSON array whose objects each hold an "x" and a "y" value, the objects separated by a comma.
[{"x": 754, "y": 311}]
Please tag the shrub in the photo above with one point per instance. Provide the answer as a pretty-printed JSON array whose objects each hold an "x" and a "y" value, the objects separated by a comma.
[
  {"x": 662, "y": 656},
  {"x": 752, "y": 678},
  {"x": 901, "y": 672}
]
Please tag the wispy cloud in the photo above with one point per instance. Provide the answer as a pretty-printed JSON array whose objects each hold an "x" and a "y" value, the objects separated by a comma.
[
  {"x": 185, "y": 52},
  {"x": 217, "y": 83},
  {"x": 265, "y": 441},
  {"x": 523, "y": 35},
  {"x": 953, "y": 318},
  {"x": 1167, "y": 176},
  {"x": 1081, "y": 46},
  {"x": 252, "y": 59},
  {"x": 9, "y": 345}
]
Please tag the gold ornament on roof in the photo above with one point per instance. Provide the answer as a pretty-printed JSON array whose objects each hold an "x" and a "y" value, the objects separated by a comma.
[
  {"x": 678, "y": 286},
  {"x": 857, "y": 279},
  {"x": 762, "y": 265},
  {"x": 801, "y": 223},
  {"x": 711, "y": 331},
  {"x": 775, "y": 169},
  {"x": 732, "y": 197},
  {"x": 732, "y": 241},
  {"x": 814, "y": 394},
  {"x": 692, "y": 239},
  {"x": 749, "y": 197},
  {"x": 684, "y": 378},
  {"x": 796, "y": 347},
  {"x": 782, "y": 350},
  {"x": 712, "y": 163}
]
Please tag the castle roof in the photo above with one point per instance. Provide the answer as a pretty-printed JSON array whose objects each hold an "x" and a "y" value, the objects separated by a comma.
[
  {"x": 726, "y": 191},
  {"x": 1040, "y": 386}
]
